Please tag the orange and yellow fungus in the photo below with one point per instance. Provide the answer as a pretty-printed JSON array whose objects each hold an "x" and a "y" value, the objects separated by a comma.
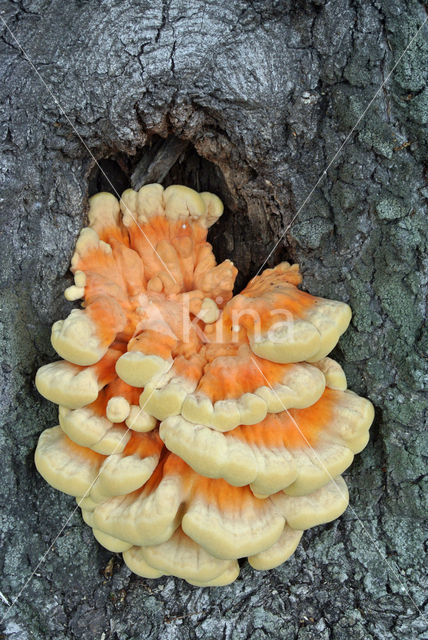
[{"x": 195, "y": 427}]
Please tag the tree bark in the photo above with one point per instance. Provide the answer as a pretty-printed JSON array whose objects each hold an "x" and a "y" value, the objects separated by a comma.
[{"x": 285, "y": 115}]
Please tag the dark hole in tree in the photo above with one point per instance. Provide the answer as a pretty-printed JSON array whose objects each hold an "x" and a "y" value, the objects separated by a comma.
[{"x": 174, "y": 161}]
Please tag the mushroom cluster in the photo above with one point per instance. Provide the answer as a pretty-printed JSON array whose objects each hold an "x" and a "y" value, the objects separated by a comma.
[{"x": 195, "y": 427}]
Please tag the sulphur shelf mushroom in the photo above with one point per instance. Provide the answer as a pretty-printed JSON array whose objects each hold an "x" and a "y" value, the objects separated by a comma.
[{"x": 195, "y": 427}]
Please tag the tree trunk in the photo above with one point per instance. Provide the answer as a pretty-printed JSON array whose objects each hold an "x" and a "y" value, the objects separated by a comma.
[{"x": 282, "y": 111}]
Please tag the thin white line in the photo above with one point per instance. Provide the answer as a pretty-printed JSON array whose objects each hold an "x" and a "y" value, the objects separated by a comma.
[
  {"x": 319, "y": 459},
  {"x": 86, "y": 147},
  {"x": 324, "y": 173},
  {"x": 43, "y": 558}
]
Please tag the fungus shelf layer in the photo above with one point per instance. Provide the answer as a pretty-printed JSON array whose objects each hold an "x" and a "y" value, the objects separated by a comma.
[{"x": 195, "y": 428}]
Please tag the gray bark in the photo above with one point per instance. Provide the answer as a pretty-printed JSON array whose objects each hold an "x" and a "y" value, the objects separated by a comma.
[{"x": 265, "y": 93}]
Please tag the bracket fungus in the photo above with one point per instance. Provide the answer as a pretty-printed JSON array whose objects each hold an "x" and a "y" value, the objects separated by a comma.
[{"x": 195, "y": 427}]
